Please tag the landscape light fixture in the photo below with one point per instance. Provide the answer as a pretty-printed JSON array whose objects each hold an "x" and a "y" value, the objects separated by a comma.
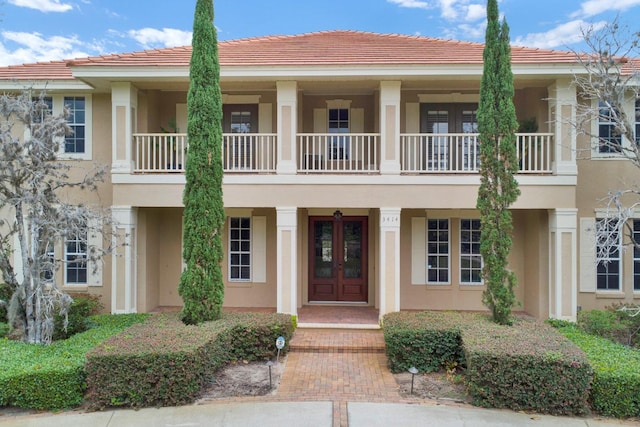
[
  {"x": 413, "y": 371},
  {"x": 270, "y": 364}
]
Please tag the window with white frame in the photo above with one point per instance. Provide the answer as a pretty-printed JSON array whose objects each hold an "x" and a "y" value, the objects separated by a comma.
[
  {"x": 76, "y": 145},
  {"x": 470, "y": 258},
  {"x": 609, "y": 138},
  {"x": 47, "y": 259},
  {"x": 438, "y": 146},
  {"x": 339, "y": 123},
  {"x": 637, "y": 120},
  {"x": 240, "y": 249},
  {"x": 608, "y": 240},
  {"x": 43, "y": 107},
  {"x": 636, "y": 255},
  {"x": 438, "y": 251},
  {"x": 75, "y": 248},
  {"x": 75, "y": 142}
]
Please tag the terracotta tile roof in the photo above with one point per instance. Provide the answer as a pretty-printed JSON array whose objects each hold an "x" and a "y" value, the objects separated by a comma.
[
  {"x": 54, "y": 70},
  {"x": 333, "y": 48},
  {"x": 319, "y": 48}
]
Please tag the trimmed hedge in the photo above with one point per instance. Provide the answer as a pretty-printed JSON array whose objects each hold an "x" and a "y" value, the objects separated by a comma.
[
  {"x": 527, "y": 366},
  {"x": 252, "y": 336},
  {"x": 616, "y": 384},
  {"x": 53, "y": 377},
  {"x": 5, "y": 295},
  {"x": 613, "y": 324},
  {"x": 83, "y": 306},
  {"x": 4, "y": 329},
  {"x": 425, "y": 340},
  {"x": 164, "y": 362}
]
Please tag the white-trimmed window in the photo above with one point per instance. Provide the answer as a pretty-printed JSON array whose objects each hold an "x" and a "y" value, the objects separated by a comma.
[
  {"x": 636, "y": 253},
  {"x": 438, "y": 251},
  {"x": 470, "y": 258},
  {"x": 608, "y": 269},
  {"x": 75, "y": 143},
  {"x": 609, "y": 138},
  {"x": 44, "y": 107},
  {"x": 339, "y": 123},
  {"x": 240, "y": 249},
  {"x": 48, "y": 259},
  {"x": 75, "y": 255},
  {"x": 637, "y": 120}
]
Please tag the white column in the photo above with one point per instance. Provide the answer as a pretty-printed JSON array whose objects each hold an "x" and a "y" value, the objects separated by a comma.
[
  {"x": 124, "y": 105},
  {"x": 123, "y": 265},
  {"x": 563, "y": 283},
  {"x": 390, "y": 128},
  {"x": 389, "y": 291},
  {"x": 287, "y": 269},
  {"x": 562, "y": 117},
  {"x": 287, "y": 127}
]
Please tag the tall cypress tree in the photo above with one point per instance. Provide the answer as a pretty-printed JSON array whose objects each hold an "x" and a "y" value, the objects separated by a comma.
[
  {"x": 201, "y": 286},
  {"x": 497, "y": 125}
]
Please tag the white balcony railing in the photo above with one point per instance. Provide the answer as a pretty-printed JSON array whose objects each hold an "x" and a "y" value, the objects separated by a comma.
[
  {"x": 160, "y": 152},
  {"x": 459, "y": 153},
  {"x": 337, "y": 153},
  {"x": 248, "y": 152},
  {"x": 165, "y": 152},
  {"x": 341, "y": 153},
  {"x": 534, "y": 152}
]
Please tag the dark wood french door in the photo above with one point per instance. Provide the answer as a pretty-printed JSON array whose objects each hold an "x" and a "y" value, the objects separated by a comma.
[{"x": 338, "y": 259}]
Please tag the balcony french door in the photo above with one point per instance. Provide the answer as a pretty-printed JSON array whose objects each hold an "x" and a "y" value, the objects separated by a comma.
[
  {"x": 239, "y": 149},
  {"x": 338, "y": 259},
  {"x": 445, "y": 119}
]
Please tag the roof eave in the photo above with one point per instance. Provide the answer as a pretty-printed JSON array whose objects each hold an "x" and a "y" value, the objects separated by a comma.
[
  {"x": 49, "y": 85},
  {"x": 317, "y": 70}
]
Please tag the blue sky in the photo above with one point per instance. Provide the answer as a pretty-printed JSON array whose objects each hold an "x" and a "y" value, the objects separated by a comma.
[{"x": 42, "y": 30}]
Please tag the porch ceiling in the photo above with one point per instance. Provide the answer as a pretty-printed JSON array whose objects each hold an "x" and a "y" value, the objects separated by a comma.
[{"x": 318, "y": 85}]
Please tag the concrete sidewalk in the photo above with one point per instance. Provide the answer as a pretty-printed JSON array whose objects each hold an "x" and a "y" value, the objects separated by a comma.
[{"x": 311, "y": 414}]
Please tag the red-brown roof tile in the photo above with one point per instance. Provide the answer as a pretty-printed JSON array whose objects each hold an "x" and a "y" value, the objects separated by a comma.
[
  {"x": 333, "y": 48},
  {"x": 54, "y": 70},
  {"x": 319, "y": 48}
]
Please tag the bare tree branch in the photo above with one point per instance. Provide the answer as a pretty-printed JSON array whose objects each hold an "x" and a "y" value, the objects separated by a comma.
[{"x": 37, "y": 216}]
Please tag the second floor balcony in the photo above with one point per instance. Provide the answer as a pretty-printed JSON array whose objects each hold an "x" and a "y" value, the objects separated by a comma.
[{"x": 348, "y": 153}]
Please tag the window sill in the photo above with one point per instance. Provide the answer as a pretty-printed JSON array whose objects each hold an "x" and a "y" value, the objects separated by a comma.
[
  {"x": 72, "y": 287},
  {"x": 74, "y": 156},
  {"x": 240, "y": 284},
  {"x": 610, "y": 294},
  {"x": 606, "y": 156},
  {"x": 472, "y": 286}
]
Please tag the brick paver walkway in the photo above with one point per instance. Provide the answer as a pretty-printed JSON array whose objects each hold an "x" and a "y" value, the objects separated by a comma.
[
  {"x": 337, "y": 376},
  {"x": 339, "y": 365}
]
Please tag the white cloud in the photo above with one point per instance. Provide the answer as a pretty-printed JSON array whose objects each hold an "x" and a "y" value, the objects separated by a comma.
[
  {"x": 462, "y": 10},
  {"x": 472, "y": 31},
  {"x": 476, "y": 12},
  {"x": 43, "y": 5},
  {"x": 167, "y": 37},
  {"x": 33, "y": 47},
  {"x": 414, "y": 4},
  {"x": 458, "y": 16},
  {"x": 563, "y": 35},
  {"x": 448, "y": 9},
  {"x": 591, "y": 8}
]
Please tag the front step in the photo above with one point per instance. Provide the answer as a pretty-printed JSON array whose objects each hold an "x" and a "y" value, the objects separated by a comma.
[
  {"x": 330, "y": 340},
  {"x": 309, "y": 325}
]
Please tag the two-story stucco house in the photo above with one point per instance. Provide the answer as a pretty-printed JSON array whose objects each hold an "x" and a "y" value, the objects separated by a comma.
[{"x": 351, "y": 174}]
